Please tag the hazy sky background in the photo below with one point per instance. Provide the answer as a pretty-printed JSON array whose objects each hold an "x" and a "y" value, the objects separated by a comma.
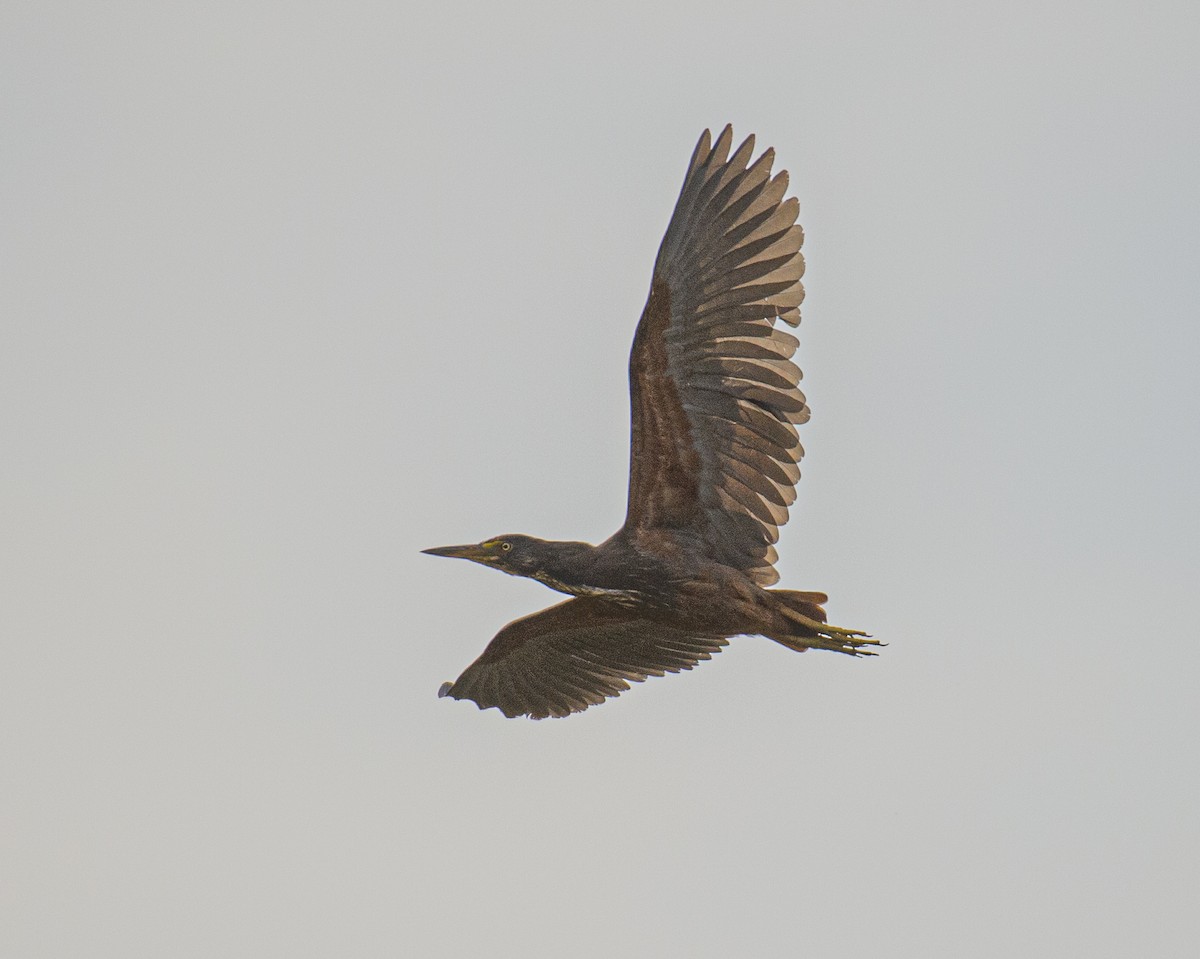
[{"x": 289, "y": 292}]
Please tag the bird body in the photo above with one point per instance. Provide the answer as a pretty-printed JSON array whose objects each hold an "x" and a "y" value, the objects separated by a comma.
[{"x": 714, "y": 459}]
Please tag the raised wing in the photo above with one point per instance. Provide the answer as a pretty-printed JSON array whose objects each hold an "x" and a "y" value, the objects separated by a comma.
[
  {"x": 571, "y": 656},
  {"x": 714, "y": 394}
]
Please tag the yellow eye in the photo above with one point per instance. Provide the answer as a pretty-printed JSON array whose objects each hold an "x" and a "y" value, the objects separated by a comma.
[{"x": 506, "y": 546}]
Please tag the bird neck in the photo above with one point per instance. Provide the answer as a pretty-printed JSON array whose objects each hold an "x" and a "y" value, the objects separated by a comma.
[
  {"x": 567, "y": 566},
  {"x": 611, "y": 570},
  {"x": 566, "y": 556}
]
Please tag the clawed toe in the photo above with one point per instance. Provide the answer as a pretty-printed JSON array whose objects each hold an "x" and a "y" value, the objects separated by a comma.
[{"x": 851, "y": 641}]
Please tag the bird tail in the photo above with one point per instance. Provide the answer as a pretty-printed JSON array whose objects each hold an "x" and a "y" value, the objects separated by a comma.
[
  {"x": 798, "y": 605},
  {"x": 811, "y": 605}
]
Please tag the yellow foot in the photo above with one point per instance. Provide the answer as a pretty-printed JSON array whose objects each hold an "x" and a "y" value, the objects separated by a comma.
[
  {"x": 835, "y": 638},
  {"x": 850, "y": 641}
]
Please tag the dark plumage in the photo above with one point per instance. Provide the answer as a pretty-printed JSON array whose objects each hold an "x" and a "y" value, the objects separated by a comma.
[{"x": 713, "y": 466}]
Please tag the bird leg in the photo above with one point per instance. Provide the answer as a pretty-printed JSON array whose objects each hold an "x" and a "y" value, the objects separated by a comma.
[{"x": 835, "y": 638}]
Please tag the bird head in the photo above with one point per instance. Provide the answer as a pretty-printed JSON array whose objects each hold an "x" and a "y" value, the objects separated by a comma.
[{"x": 513, "y": 553}]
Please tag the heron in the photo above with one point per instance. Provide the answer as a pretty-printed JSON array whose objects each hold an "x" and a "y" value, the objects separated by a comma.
[{"x": 713, "y": 464}]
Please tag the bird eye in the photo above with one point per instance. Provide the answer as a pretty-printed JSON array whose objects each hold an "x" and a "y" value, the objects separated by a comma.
[{"x": 506, "y": 546}]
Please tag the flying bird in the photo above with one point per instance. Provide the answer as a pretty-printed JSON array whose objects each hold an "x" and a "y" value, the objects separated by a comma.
[{"x": 712, "y": 469}]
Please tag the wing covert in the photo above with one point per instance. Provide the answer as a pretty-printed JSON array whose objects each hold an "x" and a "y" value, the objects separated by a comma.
[{"x": 714, "y": 394}]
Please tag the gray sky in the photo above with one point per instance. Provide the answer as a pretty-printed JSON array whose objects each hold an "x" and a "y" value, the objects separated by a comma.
[{"x": 288, "y": 294}]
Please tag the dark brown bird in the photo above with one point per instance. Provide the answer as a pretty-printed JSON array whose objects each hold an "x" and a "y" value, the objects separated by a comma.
[{"x": 713, "y": 466}]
